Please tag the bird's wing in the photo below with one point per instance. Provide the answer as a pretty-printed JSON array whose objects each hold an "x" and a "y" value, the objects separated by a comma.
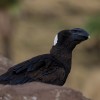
[
  {"x": 18, "y": 73},
  {"x": 29, "y": 65}
]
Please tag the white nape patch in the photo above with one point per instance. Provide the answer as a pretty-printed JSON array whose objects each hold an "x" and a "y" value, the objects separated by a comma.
[{"x": 55, "y": 40}]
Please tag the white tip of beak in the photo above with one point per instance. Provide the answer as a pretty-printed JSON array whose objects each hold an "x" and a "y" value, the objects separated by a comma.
[{"x": 89, "y": 37}]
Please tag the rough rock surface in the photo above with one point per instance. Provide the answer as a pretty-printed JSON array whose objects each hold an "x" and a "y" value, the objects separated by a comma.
[
  {"x": 35, "y": 90},
  {"x": 4, "y": 64},
  {"x": 38, "y": 91}
]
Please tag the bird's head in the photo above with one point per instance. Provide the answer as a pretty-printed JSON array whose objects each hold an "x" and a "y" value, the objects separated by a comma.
[{"x": 70, "y": 38}]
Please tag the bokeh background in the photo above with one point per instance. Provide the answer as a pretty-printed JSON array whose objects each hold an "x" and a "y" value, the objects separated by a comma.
[{"x": 28, "y": 28}]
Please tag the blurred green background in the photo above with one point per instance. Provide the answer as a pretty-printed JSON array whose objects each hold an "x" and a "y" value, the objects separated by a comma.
[{"x": 28, "y": 27}]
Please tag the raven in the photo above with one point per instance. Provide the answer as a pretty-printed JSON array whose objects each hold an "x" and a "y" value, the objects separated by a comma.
[{"x": 52, "y": 68}]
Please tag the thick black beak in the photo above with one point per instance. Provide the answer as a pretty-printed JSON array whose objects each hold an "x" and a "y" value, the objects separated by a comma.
[{"x": 79, "y": 34}]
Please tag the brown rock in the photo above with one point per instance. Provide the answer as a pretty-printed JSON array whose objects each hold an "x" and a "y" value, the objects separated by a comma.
[
  {"x": 35, "y": 90},
  {"x": 38, "y": 91},
  {"x": 4, "y": 64}
]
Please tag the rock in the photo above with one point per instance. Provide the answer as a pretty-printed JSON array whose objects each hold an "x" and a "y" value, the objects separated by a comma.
[
  {"x": 35, "y": 90},
  {"x": 38, "y": 91},
  {"x": 4, "y": 64}
]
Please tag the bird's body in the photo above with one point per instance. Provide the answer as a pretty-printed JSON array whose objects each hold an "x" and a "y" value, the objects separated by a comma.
[
  {"x": 44, "y": 68},
  {"x": 52, "y": 68}
]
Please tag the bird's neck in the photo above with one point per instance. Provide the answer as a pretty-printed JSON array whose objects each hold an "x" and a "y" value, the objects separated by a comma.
[{"x": 62, "y": 54}]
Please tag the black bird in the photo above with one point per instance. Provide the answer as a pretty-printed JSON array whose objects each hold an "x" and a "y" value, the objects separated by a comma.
[{"x": 52, "y": 68}]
